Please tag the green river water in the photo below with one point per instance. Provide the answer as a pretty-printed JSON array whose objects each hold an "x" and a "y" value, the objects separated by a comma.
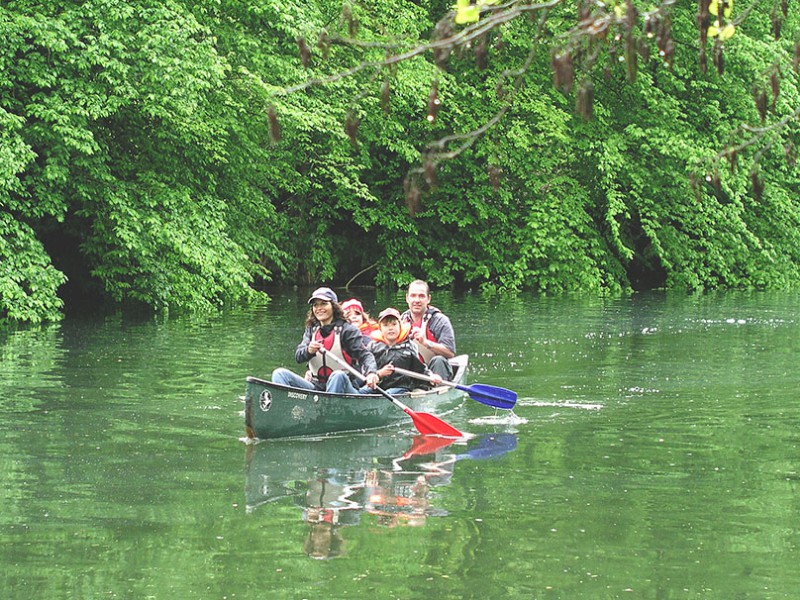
[{"x": 653, "y": 453}]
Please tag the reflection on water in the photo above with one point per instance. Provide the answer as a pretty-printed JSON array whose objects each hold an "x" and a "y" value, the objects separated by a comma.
[{"x": 337, "y": 480}]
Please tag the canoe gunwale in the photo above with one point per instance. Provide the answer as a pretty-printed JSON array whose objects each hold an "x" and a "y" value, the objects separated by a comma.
[{"x": 416, "y": 393}]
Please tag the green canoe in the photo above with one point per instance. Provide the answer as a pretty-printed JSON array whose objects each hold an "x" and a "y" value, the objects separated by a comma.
[{"x": 273, "y": 410}]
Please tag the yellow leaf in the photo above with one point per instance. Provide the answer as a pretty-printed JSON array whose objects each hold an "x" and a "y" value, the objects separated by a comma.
[
  {"x": 468, "y": 14},
  {"x": 727, "y": 32},
  {"x": 713, "y": 8},
  {"x": 724, "y": 33}
]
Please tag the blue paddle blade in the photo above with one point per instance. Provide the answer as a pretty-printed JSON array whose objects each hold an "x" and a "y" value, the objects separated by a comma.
[{"x": 491, "y": 395}]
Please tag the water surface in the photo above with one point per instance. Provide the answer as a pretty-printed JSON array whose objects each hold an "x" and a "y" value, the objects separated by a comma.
[{"x": 653, "y": 453}]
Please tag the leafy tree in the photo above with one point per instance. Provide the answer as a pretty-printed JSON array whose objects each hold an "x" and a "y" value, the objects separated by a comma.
[
  {"x": 122, "y": 154},
  {"x": 180, "y": 153},
  {"x": 636, "y": 207}
]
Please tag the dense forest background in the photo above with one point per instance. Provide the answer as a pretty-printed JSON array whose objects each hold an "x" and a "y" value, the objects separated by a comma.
[{"x": 155, "y": 151}]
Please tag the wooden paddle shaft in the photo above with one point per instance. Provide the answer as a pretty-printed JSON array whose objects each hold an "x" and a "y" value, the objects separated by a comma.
[
  {"x": 422, "y": 376},
  {"x": 345, "y": 364}
]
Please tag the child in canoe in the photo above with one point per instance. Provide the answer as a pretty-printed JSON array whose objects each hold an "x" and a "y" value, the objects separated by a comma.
[{"x": 392, "y": 347}]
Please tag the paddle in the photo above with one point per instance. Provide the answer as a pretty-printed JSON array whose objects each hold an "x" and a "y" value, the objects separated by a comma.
[
  {"x": 425, "y": 423},
  {"x": 485, "y": 394}
]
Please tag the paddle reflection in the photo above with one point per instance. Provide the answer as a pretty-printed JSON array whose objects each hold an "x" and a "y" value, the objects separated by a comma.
[{"x": 338, "y": 481}]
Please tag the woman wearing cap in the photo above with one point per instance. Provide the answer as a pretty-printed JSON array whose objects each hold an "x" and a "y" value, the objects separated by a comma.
[
  {"x": 392, "y": 347},
  {"x": 327, "y": 331},
  {"x": 354, "y": 312}
]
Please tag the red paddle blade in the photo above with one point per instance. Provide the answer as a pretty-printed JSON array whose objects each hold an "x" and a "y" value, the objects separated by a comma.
[{"x": 427, "y": 424}]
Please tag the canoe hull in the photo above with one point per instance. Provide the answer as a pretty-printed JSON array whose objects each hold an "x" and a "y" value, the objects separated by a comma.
[{"x": 273, "y": 410}]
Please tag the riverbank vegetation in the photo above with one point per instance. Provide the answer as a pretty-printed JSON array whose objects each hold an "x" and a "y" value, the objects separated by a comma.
[{"x": 183, "y": 154}]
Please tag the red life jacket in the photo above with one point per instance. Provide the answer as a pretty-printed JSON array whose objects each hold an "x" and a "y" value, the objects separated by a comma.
[
  {"x": 318, "y": 364},
  {"x": 424, "y": 352}
]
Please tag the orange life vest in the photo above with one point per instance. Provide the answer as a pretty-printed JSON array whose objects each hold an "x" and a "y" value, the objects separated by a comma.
[
  {"x": 368, "y": 327},
  {"x": 405, "y": 329}
]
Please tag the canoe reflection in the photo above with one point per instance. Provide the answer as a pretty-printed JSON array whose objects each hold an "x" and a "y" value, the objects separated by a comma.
[{"x": 338, "y": 480}]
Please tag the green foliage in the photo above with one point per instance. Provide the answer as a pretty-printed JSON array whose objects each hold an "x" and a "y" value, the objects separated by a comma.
[
  {"x": 28, "y": 281},
  {"x": 15, "y": 155},
  {"x": 144, "y": 131},
  {"x": 658, "y": 134},
  {"x": 129, "y": 143},
  {"x": 165, "y": 248},
  {"x": 626, "y": 213}
]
